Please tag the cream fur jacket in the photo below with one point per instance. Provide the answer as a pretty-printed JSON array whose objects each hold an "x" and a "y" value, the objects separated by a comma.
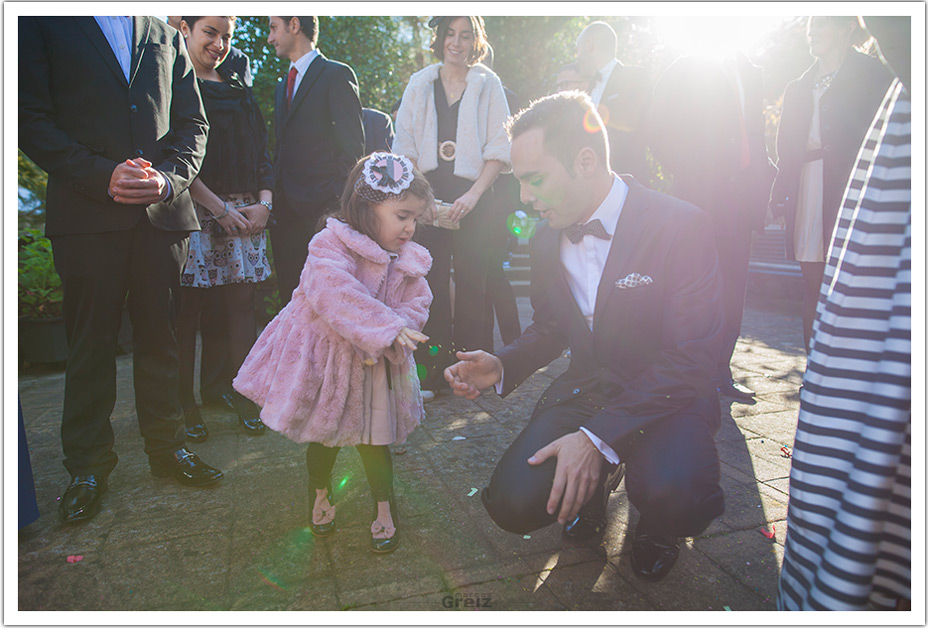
[{"x": 481, "y": 134}]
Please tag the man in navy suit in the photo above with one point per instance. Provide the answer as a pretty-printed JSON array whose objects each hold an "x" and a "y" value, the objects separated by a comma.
[
  {"x": 109, "y": 108},
  {"x": 628, "y": 278},
  {"x": 320, "y": 137}
]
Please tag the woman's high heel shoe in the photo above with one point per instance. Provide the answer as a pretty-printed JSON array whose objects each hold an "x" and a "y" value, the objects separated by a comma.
[
  {"x": 385, "y": 546},
  {"x": 321, "y": 529}
]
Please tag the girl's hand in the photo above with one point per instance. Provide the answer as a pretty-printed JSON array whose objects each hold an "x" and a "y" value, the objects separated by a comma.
[
  {"x": 234, "y": 223},
  {"x": 257, "y": 215},
  {"x": 409, "y": 338},
  {"x": 463, "y": 205}
]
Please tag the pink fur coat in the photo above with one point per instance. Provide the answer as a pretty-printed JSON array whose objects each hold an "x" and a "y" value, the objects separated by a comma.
[{"x": 306, "y": 369}]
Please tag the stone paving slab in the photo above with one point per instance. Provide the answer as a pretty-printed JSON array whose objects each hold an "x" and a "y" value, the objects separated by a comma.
[{"x": 244, "y": 544}]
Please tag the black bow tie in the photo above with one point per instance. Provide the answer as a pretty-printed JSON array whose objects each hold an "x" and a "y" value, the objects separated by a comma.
[{"x": 594, "y": 228}]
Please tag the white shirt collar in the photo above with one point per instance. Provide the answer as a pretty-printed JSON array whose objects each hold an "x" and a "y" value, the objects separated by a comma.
[
  {"x": 610, "y": 209},
  {"x": 302, "y": 64},
  {"x": 606, "y": 71}
]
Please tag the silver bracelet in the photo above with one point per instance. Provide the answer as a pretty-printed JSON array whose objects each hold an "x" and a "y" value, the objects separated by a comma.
[
  {"x": 224, "y": 213},
  {"x": 268, "y": 204}
]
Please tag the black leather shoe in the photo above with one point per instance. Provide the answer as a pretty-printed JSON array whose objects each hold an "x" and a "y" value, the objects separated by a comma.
[
  {"x": 320, "y": 529},
  {"x": 737, "y": 391},
  {"x": 220, "y": 401},
  {"x": 197, "y": 433},
  {"x": 185, "y": 467},
  {"x": 253, "y": 425},
  {"x": 81, "y": 500},
  {"x": 591, "y": 520},
  {"x": 653, "y": 555},
  {"x": 385, "y": 546},
  {"x": 247, "y": 413}
]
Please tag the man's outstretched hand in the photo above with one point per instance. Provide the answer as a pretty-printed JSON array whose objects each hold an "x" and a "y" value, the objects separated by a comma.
[
  {"x": 579, "y": 464},
  {"x": 476, "y": 371}
]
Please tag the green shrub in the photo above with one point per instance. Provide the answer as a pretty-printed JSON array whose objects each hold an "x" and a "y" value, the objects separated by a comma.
[{"x": 40, "y": 293}]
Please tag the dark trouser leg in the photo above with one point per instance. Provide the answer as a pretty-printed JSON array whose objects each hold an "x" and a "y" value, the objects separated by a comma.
[
  {"x": 734, "y": 255},
  {"x": 187, "y": 321},
  {"x": 319, "y": 463},
  {"x": 378, "y": 466},
  {"x": 812, "y": 275},
  {"x": 502, "y": 300},
  {"x": 289, "y": 239},
  {"x": 435, "y": 355},
  {"x": 470, "y": 275},
  {"x": 215, "y": 371},
  {"x": 94, "y": 270},
  {"x": 155, "y": 267},
  {"x": 518, "y": 492},
  {"x": 238, "y": 304},
  {"x": 673, "y": 471}
]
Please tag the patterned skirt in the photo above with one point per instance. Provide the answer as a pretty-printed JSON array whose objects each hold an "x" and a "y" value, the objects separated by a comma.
[{"x": 218, "y": 260}]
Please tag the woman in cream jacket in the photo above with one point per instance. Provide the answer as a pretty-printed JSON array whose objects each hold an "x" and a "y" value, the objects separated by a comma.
[{"x": 451, "y": 124}]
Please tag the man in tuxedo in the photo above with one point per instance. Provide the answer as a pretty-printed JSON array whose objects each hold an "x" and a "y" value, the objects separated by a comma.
[
  {"x": 320, "y": 137},
  {"x": 627, "y": 278},
  {"x": 707, "y": 130},
  {"x": 109, "y": 108},
  {"x": 621, "y": 94}
]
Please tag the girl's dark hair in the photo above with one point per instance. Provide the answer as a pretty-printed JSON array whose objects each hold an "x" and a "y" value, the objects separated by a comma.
[
  {"x": 480, "y": 37},
  {"x": 355, "y": 210}
]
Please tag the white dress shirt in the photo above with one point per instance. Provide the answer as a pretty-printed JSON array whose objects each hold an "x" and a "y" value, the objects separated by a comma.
[
  {"x": 302, "y": 65},
  {"x": 584, "y": 263},
  {"x": 600, "y": 86}
]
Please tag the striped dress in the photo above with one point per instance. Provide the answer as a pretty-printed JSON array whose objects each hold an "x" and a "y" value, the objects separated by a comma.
[{"x": 848, "y": 543}]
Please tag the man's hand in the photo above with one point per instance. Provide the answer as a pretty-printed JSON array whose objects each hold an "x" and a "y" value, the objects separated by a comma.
[
  {"x": 475, "y": 371},
  {"x": 135, "y": 182},
  {"x": 579, "y": 465}
]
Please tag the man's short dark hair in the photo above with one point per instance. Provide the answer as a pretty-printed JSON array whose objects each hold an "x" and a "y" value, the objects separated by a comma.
[
  {"x": 569, "y": 121},
  {"x": 308, "y": 24}
]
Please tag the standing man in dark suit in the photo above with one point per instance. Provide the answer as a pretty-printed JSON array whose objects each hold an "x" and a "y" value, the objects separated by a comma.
[
  {"x": 109, "y": 108},
  {"x": 320, "y": 137},
  {"x": 627, "y": 278},
  {"x": 378, "y": 130},
  {"x": 621, "y": 93},
  {"x": 707, "y": 130}
]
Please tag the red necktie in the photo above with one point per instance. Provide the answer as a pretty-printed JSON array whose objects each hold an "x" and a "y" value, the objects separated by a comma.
[{"x": 291, "y": 79}]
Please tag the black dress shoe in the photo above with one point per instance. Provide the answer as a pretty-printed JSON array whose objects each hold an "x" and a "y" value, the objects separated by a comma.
[
  {"x": 247, "y": 413},
  {"x": 185, "y": 467},
  {"x": 197, "y": 433},
  {"x": 253, "y": 425},
  {"x": 223, "y": 400},
  {"x": 320, "y": 529},
  {"x": 653, "y": 555},
  {"x": 591, "y": 520},
  {"x": 385, "y": 546},
  {"x": 733, "y": 389},
  {"x": 81, "y": 500}
]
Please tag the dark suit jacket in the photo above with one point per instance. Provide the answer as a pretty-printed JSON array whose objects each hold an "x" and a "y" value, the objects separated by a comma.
[
  {"x": 652, "y": 348},
  {"x": 624, "y": 109},
  {"x": 695, "y": 132},
  {"x": 79, "y": 118},
  {"x": 378, "y": 130},
  {"x": 319, "y": 139},
  {"x": 846, "y": 110}
]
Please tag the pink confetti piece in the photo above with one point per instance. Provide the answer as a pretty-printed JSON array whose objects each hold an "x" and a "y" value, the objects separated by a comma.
[
  {"x": 771, "y": 534},
  {"x": 75, "y": 559}
]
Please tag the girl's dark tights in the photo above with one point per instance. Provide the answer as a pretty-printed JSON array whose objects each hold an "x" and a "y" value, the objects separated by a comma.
[{"x": 378, "y": 466}]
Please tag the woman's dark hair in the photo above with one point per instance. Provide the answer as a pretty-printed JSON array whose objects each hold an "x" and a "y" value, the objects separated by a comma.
[
  {"x": 308, "y": 24},
  {"x": 859, "y": 38},
  {"x": 356, "y": 211},
  {"x": 480, "y": 37},
  {"x": 193, "y": 19}
]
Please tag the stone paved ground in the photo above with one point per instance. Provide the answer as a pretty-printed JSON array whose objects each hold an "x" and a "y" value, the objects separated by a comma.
[{"x": 244, "y": 545}]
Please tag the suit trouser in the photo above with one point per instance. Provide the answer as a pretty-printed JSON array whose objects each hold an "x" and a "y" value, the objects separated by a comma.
[
  {"x": 734, "y": 255},
  {"x": 468, "y": 248},
  {"x": 672, "y": 470},
  {"x": 97, "y": 271}
]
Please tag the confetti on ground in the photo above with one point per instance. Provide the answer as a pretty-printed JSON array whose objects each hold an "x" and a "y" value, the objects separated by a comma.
[
  {"x": 75, "y": 559},
  {"x": 787, "y": 453},
  {"x": 473, "y": 492},
  {"x": 459, "y": 438},
  {"x": 771, "y": 534},
  {"x": 527, "y": 536},
  {"x": 726, "y": 608}
]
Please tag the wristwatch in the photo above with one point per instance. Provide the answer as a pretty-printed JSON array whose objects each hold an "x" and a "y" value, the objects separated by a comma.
[{"x": 268, "y": 204}]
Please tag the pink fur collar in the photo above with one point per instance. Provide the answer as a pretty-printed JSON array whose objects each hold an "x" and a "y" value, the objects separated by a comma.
[{"x": 413, "y": 260}]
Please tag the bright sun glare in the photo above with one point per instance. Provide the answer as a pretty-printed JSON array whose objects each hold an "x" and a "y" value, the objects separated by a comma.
[{"x": 715, "y": 35}]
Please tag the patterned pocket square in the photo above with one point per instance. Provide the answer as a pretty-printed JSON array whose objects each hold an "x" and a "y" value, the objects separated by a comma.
[{"x": 634, "y": 280}]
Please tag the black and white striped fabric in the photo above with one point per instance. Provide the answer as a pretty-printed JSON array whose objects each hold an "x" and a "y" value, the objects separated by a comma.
[{"x": 848, "y": 543}]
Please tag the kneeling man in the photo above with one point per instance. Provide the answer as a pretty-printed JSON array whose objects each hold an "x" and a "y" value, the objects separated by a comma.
[{"x": 628, "y": 278}]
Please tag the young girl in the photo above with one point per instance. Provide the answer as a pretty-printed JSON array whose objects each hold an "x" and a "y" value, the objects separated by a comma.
[{"x": 335, "y": 367}]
